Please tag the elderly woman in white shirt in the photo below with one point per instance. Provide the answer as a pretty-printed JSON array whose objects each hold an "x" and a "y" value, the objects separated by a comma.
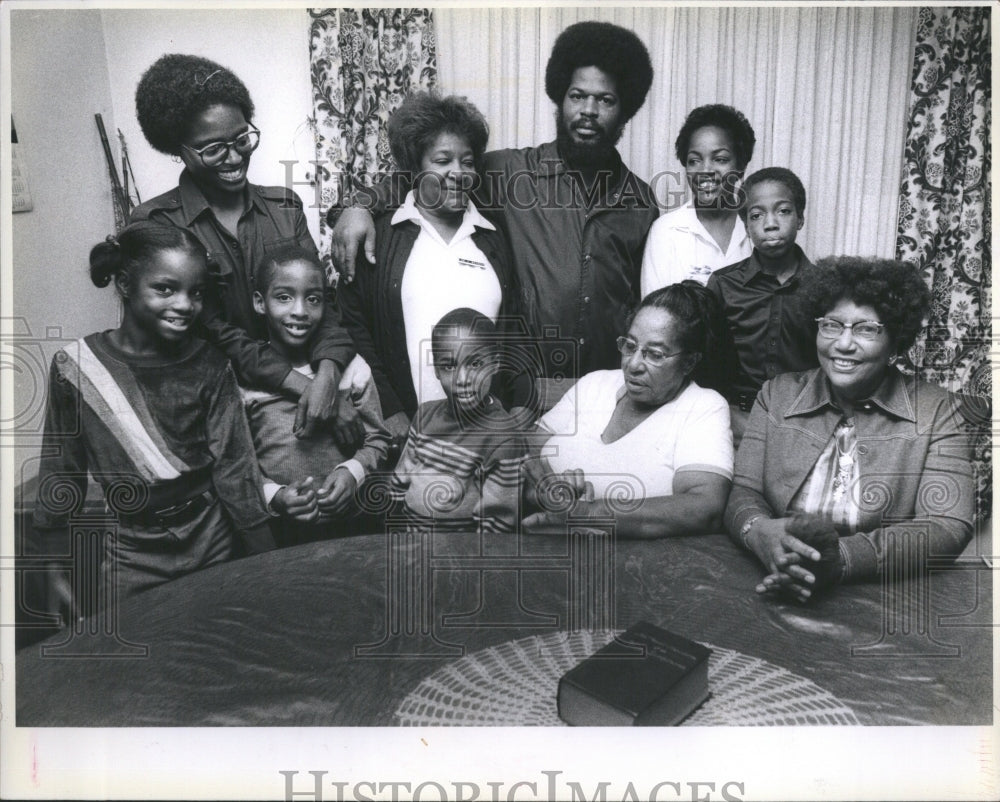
[
  {"x": 646, "y": 444},
  {"x": 435, "y": 253}
]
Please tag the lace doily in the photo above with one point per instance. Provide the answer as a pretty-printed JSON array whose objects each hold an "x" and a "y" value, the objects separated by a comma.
[{"x": 515, "y": 684}]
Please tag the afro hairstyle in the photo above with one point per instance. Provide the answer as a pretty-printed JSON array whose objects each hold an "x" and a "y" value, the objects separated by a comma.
[
  {"x": 721, "y": 116},
  {"x": 177, "y": 88},
  {"x": 613, "y": 50},
  {"x": 895, "y": 290}
]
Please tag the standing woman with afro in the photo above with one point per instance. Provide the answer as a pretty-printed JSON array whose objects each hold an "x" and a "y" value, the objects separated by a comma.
[{"x": 200, "y": 113}]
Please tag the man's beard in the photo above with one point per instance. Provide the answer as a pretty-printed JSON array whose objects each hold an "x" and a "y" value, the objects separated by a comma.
[{"x": 594, "y": 155}]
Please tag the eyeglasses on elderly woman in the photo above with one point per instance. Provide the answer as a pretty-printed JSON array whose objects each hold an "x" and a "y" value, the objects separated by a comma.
[
  {"x": 653, "y": 357},
  {"x": 862, "y": 329}
]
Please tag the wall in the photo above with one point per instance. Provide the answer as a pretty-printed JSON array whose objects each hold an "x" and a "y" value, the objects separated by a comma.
[{"x": 59, "y": 80}]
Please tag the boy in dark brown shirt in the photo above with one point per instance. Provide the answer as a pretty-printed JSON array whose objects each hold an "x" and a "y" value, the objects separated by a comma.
[{"x": 767, "y": 327}]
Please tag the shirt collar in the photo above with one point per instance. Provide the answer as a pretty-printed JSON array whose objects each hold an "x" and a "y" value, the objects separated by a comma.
[
  {"x": 471, "y": 217},
  {"x": 891, "y": 396},
  {"x": 752, "y": 269},
  {"x": 686, "y": 219},
  {"x": 550, "y": 163},
  {"x": 194, "y": 203}
]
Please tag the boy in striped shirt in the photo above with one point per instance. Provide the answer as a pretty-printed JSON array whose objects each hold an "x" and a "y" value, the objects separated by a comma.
[{"x": 460, "y": 467}]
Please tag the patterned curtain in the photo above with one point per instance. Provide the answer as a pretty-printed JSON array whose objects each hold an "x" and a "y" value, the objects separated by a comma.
[
  {"x": 363, "y": 63},
  {"x": 944, "y": 209}
]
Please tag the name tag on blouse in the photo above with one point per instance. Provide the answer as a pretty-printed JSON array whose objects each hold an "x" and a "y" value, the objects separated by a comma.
[{"x": 471, "y": 263}]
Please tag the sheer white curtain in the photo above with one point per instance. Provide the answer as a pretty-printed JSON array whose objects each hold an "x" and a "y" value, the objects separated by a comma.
[{"x": 826, "y": 90}]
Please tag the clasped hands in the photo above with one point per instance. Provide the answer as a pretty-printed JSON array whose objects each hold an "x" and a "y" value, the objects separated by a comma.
[
  {"x": 303, "y": 502},
  {"x": 570, "y": 492},
  {"x": 800, "y": 553}
]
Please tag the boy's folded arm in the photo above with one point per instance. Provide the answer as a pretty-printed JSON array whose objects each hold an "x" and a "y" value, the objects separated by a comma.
[
  {"x": 407, "y": 465},
  {"x": 502, "y": 482}
]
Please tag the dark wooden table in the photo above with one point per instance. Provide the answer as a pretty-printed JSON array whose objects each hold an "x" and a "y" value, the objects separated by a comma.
[{"x": 338, "y": 632}]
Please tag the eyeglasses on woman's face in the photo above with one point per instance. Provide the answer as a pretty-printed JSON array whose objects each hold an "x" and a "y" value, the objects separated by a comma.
[
  {"x": 862, "y": 329},
  {"x": 215, "y": 153},
  {"x": 653, "y": 357}
]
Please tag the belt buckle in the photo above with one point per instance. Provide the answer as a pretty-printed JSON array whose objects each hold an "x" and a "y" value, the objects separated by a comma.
[{"x": 170, "y": 514}]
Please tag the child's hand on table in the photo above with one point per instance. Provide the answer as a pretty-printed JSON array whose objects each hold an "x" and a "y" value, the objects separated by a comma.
[
  {"x": 337, "y": 491},
  {"x": 297, "y": 500}
]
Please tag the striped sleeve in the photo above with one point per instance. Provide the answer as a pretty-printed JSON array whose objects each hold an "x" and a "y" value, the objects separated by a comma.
[
  {"x": 501, "y": 486},
  {"x": 115, "y": 398},
  {"x": 62, "y": 472}
]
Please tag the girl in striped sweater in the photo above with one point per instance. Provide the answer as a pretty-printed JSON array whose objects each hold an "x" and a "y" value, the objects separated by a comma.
[{"x": 155, "y": 416}]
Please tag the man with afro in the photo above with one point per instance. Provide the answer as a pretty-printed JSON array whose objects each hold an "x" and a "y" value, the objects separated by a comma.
[{"x": 577, "y": 217}]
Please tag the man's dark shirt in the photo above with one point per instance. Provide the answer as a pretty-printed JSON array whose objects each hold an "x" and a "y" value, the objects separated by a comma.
[{"x": 577, "y": 252}]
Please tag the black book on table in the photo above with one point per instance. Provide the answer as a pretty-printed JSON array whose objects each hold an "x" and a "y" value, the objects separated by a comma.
[{"x": 644, "y": 677}]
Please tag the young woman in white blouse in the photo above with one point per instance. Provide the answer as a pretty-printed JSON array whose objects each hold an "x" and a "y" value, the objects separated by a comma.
[{"x": 715, "y": 145}]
